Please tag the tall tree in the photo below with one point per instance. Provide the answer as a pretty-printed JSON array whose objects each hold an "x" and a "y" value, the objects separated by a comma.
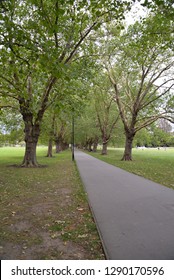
[
  {"x": 106, "y": 111},
  {"x": 38, "y": 42},
  {"x": 142, "y": 78}
]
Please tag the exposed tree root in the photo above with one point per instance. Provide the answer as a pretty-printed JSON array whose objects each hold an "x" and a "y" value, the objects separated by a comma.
[
  {"x": 126, "y": 158},
  {"x": 27, "y": 166}
]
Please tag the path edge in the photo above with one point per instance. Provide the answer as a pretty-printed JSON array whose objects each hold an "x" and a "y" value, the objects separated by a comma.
[{"x": 93, "y": 215}]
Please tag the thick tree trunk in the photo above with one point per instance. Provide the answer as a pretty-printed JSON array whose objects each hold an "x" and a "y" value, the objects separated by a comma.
[
  {"x": 60, "y": 145},
  {"x": 104, "y": 149},
  {"x": 50, "y": 148},
  {"x": 65, "y": 146},
  {"x": 31, "y": 138},
  {"x": 32, "y": 125},
  {"x": 127, "y": 156}
]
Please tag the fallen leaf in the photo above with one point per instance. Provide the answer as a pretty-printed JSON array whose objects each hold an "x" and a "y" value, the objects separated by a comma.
[
  {"x": 83, "y": 236},
  {"x": 80, "y": 209}
]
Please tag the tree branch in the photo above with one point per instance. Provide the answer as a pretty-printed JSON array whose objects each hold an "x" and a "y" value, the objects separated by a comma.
[
  {"x": 79, "y": 43},
  {"x": 51, "y": 82},
  {"x": 159, "y": 96}
]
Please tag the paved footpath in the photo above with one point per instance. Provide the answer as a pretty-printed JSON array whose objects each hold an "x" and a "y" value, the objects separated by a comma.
[{"x": 134, "y": 216}]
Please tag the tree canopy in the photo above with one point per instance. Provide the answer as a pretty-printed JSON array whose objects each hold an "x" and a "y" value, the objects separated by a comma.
[{"x": 50, "y": 52}]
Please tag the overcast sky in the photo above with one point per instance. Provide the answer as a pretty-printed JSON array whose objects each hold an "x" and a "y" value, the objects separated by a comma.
[{"x": 136, "y": 13}]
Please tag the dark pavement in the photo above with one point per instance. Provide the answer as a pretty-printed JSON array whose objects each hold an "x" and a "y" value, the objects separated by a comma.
[{"x": 134, "y": 216}]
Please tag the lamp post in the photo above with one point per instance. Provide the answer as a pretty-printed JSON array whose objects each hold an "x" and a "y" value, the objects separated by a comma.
[{"x": 72, "y": 147}]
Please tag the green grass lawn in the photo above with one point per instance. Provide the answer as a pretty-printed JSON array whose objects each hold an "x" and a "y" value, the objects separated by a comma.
[
  {"x": 44, "y": 212},
  {"x": 156, "y": 165}
]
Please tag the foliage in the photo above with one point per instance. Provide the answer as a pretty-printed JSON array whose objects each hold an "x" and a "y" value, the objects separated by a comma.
[
  {"x": 141, "y": 72},
  {"x": 154, "y": 136},
  {"x": 86, "y": 127},
  {"x": 106, "y": 110},
  {"x": 40, "y": 40},
  {"x": 51, "y": 53},
  {"x": 163, "y": 7},
  {"x": 143, "y": 138},
  {"x": 160, "y": 138}
]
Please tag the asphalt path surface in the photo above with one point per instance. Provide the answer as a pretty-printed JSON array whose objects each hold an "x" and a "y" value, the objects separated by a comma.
[{"x": 134, "y": 216}]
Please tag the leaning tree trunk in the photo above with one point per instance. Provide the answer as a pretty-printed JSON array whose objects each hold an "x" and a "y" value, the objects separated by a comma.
[
  {"x": 127, "y": 156},
  {"x": 31, "y": 138}
]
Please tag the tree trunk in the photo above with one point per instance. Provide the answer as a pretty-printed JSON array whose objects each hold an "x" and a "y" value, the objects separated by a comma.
[
  {"x": 32, "y": 128},
  {"x": 50, "y": 148},
  {"x": 127, "y": 156},
  {"x": 65, "y": 146},
  {"x": 57, "y": 146},
  {"x": 50, "y": 143},
  {"x": 104, "y": 149},
  {"x": 95, "y": 146},
  {"x": 90, "y": 146},
  {"x": 31, "y": 138},
  {"x": 60, "y": 145}
]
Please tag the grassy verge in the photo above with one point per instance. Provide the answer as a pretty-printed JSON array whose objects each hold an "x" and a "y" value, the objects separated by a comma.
[
  {"x": 44, "y": 212},
  {"x": 156, "y": 165}
]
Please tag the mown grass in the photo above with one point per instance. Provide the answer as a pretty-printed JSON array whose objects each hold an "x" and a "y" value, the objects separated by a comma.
[
  {"x": 156, "y": 165},
  {"x": 39, "y": 202}
]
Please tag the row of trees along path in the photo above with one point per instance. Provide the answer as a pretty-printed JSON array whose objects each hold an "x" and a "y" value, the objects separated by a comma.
[{"x": 43, "y": 43}]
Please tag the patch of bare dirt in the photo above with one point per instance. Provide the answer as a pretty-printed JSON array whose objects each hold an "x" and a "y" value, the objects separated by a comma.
[
  {"x": 45, "y": 227},
  {"x": 50, "y": 248}
]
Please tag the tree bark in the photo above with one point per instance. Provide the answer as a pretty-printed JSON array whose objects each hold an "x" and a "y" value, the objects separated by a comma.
[
  {"x": 50, "y": 143},
  {"x": 57, "y": 146},
  {"x": 50, "y": 148},
  {"x": 127, "y": 156},
  {"x": 60, "y": 145},
  {"x": 104, "y": 149},
  {"x": 32, "y": 127},
  {"x": 95, "y": 145},
  {"x": 31, "y": 138}
]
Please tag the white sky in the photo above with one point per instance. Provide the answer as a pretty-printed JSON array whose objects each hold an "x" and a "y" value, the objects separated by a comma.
[{"x": 135, "y": 14}]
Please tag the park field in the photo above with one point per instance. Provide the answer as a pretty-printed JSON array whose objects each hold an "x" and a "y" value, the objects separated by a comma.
[
  {"x": 44, "y": 213},
  {"x": 151, "y": 163}
]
